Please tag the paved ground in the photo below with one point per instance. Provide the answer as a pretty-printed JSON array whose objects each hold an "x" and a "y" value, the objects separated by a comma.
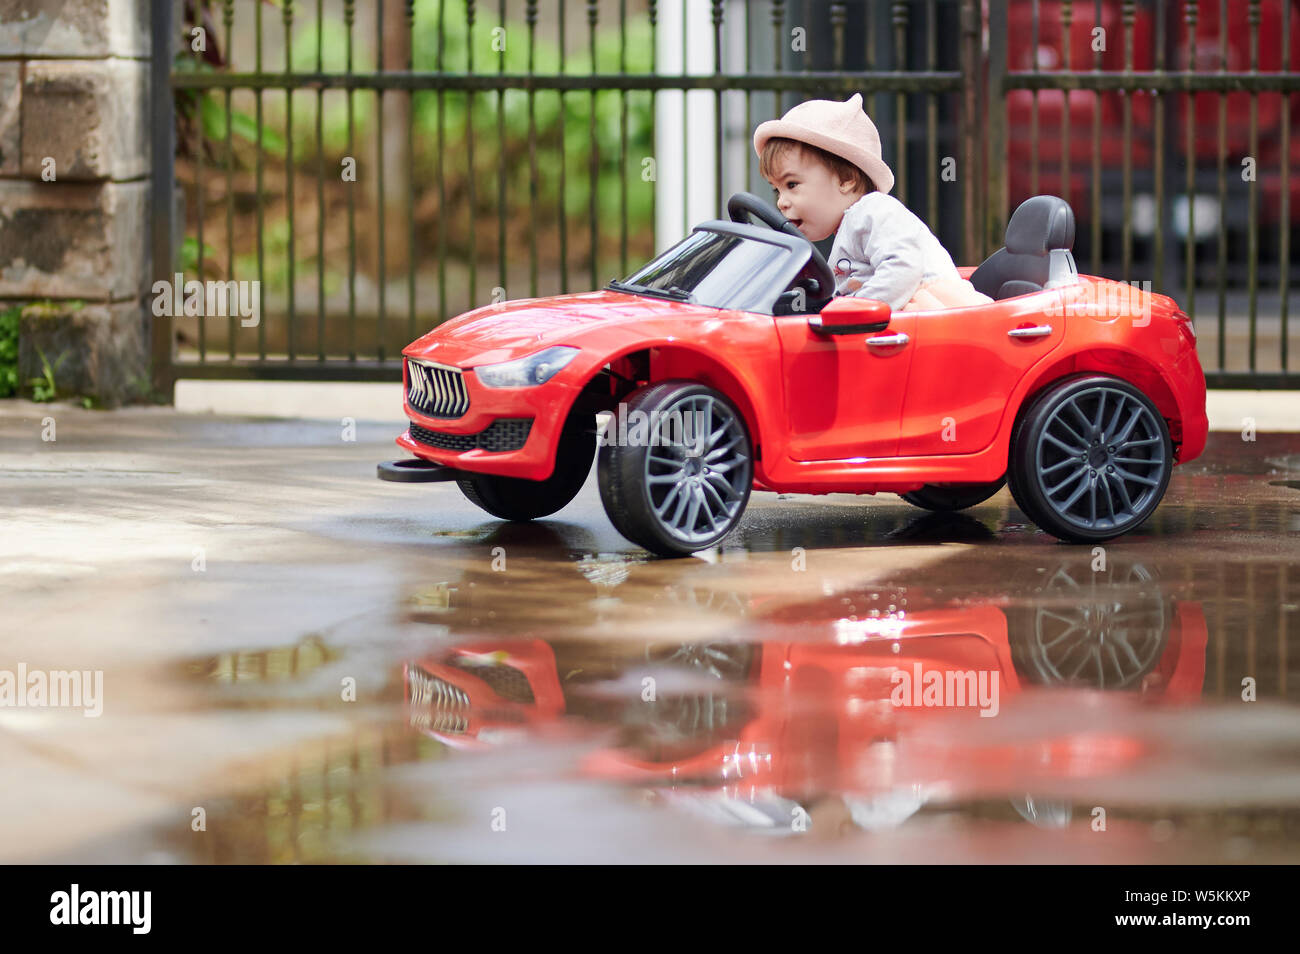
[{"x": 233, "y": 578}]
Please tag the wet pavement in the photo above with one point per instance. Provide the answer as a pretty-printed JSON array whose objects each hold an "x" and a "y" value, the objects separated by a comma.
[{"x": 303, "y": 664}]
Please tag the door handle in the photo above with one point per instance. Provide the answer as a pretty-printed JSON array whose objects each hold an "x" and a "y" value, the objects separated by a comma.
[
  {"x": 887, "y": 341},
  {"x": 1037, "y": 331}
]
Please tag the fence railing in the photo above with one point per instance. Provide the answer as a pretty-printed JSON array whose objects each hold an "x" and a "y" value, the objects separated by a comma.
[
  {"x": 377, "y": 168},
  {"x": 1178, "y": 124}
]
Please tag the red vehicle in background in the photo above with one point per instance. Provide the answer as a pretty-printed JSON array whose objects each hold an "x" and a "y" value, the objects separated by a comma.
[{"x": 1096, "y": 120}]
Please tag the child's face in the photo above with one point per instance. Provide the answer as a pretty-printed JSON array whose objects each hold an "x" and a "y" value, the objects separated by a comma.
[{"x": 812, "y": 197}]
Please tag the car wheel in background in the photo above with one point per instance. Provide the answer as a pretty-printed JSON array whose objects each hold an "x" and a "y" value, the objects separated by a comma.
[
  {"x": 676, "y": 468},
  {"x": 515, "y": 498},
  {"x": 950, "y": 497},
  {"x": 1090, "y": 459}
]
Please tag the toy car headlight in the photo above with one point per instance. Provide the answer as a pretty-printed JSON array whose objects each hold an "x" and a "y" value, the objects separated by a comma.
[{"x": 526, "y": 372}]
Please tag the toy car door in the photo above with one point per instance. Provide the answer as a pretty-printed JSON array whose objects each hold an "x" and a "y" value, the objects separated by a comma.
[
  {"x": 844, "y": 393},
  {"x": 966, "y": 363}
]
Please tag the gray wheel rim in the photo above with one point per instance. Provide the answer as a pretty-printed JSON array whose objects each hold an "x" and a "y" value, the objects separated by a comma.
[
  {"x": 1100, "y": 459},
  {"x": 683, "y": 718},
  {"x": 719, "y": 660},
  {"x": 1103, "y": 637},
  {"x": 695, "y": 468}
]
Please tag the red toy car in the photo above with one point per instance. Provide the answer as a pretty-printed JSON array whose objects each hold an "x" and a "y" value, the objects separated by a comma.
[{"x": 728, "y": 368}]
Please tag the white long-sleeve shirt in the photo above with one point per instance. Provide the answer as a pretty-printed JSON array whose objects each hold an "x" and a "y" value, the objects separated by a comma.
[{"x": 883, "y": 251}]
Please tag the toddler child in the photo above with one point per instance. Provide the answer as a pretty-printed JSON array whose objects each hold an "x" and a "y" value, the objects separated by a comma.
[{"x": 823, "y": 160}]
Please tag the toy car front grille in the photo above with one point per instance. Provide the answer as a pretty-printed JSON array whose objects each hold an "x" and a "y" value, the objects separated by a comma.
[
  {"x": 436, "y": 391},
  {"x": 504, "y": 434},
  {"x": 436, "y": 704},
  {"x": 506, "y": 681}
]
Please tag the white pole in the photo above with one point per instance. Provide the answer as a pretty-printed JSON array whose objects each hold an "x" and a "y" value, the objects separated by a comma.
[{"x": 684, "y": 158}]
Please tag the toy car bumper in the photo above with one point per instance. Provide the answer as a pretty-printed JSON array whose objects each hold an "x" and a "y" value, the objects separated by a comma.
[
  {"x": 1188, "y": 380},
  {"x": 414, "y": 470},
  {"x": 508, "y": 432}
]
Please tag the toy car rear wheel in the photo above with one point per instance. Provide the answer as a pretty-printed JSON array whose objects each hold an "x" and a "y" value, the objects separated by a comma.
[
  {"x": 945, "y": 498},
  {"x": 518, "y": 499},
  {"x": 679, "y": 481},
  {"x": 1091, "y": 459}
]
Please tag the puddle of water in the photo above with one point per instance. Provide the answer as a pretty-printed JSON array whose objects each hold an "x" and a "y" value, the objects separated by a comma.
[
  {"x": 976, "y": 710},
  {"x": 843, "y": 681}
]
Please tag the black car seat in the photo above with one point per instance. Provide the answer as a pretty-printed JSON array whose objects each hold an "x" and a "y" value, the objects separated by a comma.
[{"x": 1037, "y": 254}]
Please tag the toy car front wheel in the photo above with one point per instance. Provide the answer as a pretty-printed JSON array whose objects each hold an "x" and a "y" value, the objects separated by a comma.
[
  {"x": 949, "y": 497},
  {"x": 1090, "y": 459},
  {"x": 675, "y": 469},
  {"x": 514, "y": 498}
]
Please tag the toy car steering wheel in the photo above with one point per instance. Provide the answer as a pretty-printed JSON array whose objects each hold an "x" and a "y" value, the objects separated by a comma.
[{"x": 743, "y": 204}]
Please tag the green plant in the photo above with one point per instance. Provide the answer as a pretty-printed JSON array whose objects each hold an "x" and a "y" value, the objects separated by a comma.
[
  {"x": 49, "y": 307},
  {"x": 553, "y": 117},
  {"x": 9, "y": 350},
  {"x": 44, "y": 388},
  {"x": 141, "y": 388},
  {"x": 188, "y": 260},
  {"x": 212, "y": 117}
]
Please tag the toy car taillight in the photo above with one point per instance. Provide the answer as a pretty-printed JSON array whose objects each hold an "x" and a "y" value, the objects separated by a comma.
[{"x": 1185, "y": 322}]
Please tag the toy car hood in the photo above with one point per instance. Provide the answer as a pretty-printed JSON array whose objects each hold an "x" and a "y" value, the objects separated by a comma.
[{"x": 512, "y": 329}]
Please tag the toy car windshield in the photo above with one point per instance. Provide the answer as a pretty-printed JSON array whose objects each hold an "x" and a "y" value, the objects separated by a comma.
[{"x": 709, "y": 267}]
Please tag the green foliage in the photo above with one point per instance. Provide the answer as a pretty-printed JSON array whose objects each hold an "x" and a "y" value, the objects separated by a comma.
[
  {"x": 46, "y": 308},
  {"x": 140, "y": 387},
  {"x": 43, "y": 387},
  {"x": 275, "y": 259},
  {"x": 546, "y": 59},
  {"x": 334, "y": 120},
  {"x": 564, "y": 130},
  {"x": 212, "y": 115},
  {"x": 188, "y": 260},
  {"x": 553, "y": 115},
  {"x": 9, "y": 319}
]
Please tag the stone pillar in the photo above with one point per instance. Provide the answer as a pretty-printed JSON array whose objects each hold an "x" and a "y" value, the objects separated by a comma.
[{"x": 74, "y": 190}]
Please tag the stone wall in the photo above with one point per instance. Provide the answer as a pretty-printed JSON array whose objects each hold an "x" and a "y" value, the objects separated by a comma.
[{"x": 74, "y": 190}]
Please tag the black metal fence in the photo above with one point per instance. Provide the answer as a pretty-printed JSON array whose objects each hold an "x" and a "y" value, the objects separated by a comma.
[
  {"x": 377, "y": 168},
  {"x": 1175, "y": 150}
]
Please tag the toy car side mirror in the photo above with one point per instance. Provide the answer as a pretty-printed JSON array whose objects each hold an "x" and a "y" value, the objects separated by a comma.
[{"x": 846, "y": 315}]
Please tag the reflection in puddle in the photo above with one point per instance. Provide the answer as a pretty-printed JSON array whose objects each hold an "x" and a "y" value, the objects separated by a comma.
[
  {"x": 280, "y": 662},
  {"x": 1080, "y": 693},
  {"x": 324, "y": 798},
  {"x": 1006, "y": 706},
  {"x": 989, "y": 697},
  {"x": 852, "y": 700}
]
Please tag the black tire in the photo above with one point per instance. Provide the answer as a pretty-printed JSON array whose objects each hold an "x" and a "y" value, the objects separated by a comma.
[
  {"x": 717, "y": 480},
  {"x": 1011, "y": 474},
  {"x": 946, "y": 498},
  {"x": 1091, "y": 459},
  {"x": 517, "y": 499}
]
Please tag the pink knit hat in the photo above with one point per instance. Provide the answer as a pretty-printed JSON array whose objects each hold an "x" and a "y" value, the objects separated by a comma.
[{"x": 842, "y": 129}]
